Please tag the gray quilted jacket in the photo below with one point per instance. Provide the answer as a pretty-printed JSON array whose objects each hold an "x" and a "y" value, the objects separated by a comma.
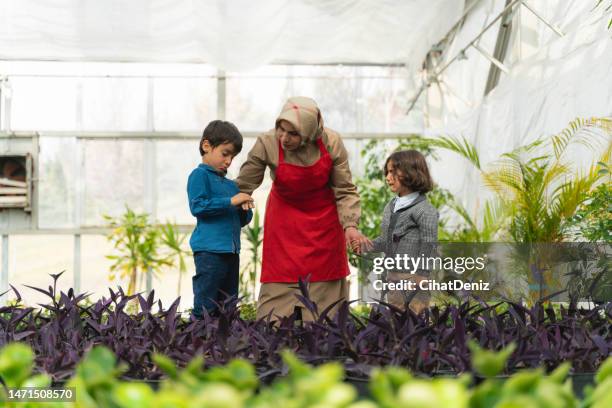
[{"x": 412, "y": 230}]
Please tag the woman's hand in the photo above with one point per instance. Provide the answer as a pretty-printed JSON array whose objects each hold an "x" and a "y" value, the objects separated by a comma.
[
  {"x": 356, "y": 240},
  {"x": 243, "y": 200}
]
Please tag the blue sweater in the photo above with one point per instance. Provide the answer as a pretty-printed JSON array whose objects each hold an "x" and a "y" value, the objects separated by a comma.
[{"x": 218, "y": 221}]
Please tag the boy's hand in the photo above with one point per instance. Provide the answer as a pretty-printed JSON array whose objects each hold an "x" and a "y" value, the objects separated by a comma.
[{"x": 244, "y": 200}]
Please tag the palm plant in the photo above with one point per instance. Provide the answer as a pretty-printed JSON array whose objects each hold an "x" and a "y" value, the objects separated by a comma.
[
  {"x": 607, "y": 8},
  {"x": 137, "y": 243},
  {"x": 539, "y": 188},
  {"x": 472, "y": 229},
  {"x": 536, "y": 187}
]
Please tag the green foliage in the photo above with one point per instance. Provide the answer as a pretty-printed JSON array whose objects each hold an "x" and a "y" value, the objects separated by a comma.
[
  {"x": 601, "y": 395},
  {"x": 307, "y": 387},
  {"x": 174, "y": 242},
  {"x": 248, "y": 311},
  {"x": 137, "y": 243},
  {"x": 96, "y": 378},
  {"x": 538, "y": 188},
  {"x": 608, "y": 7},
  {"x": 361, "y": 310},
  {"x": 535, "y": 189},
  {"x": 594, "y": 217},
  {"x": 470, "y": 229},
  {"x": 395, "y": 387},
  {"x": 248, "y": 277},
  {"x": 97, "y": 384},
  {"x": 141, "y": 246},
  {"x": 16, "y": 364},
  {"x": 489, "y": 363}
]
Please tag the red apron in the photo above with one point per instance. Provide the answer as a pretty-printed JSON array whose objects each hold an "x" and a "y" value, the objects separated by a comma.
[{"x": 302, "y": 232}]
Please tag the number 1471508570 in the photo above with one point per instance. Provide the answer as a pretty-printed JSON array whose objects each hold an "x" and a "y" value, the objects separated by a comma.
[{"x": 40, "y": 394}]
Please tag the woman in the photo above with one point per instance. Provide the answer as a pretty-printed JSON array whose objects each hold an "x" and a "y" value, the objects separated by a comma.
[{"x": 312, "y": 211}]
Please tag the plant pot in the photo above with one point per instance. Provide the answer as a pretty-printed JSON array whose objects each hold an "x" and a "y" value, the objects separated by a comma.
[
  {"x": 580, "y": 381},
  {"x": 361, "y": 385}
]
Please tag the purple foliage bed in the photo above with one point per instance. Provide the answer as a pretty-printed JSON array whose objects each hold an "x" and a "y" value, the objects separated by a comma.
[{"x": 430, "y": 343}]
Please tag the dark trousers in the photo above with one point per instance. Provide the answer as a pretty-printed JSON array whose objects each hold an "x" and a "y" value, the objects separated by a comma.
[{"x": 216, "y": 279}]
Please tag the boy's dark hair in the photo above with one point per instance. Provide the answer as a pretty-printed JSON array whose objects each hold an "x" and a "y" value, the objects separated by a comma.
[
  {"x": 413, "y": 168},
  {"x": 219, "y": 132}
]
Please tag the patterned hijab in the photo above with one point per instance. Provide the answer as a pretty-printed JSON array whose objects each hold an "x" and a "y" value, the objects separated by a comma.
[{"x": 305, "y": 116}]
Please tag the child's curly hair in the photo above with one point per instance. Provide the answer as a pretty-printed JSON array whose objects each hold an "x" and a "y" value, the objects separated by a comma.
[{"x": 411, "y": 169}]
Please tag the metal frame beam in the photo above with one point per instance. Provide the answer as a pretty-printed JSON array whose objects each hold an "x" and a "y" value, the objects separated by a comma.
[
  {"x": 501, "y": 48},
  {"x": 461, "y": 54}
]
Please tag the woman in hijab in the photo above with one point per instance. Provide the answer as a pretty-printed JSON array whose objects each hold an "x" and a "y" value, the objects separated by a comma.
[{"x": 312, "y": 211}]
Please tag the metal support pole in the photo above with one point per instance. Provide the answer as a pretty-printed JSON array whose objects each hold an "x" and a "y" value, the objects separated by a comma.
[
  {"x": 6, "y": 123},
  {"x": 452, "y": 91},
  {"x": 150, "y": 194},
  {"x": 459, "y": 55},
  {"x": 501, "y": 47},
  {"x": 1, "y": 103},
  {"x": 5, "y": 265},
  {"x": 491, "y": 58},
  {"x": 221, "y": 94},
  {"x": 150, "y": 104},
  {"x": 77, "y": 264},
  {"x": 78, "y": 212},
  {"x": 550, "y": 25}
]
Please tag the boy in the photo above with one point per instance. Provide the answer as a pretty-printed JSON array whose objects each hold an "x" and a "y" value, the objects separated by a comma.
[{"x": 221, "y": 210}]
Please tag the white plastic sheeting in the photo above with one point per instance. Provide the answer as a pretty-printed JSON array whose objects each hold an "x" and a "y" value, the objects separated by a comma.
[
  {"x": 552, "y": 81},
  {"x": 232, "y": 35}
]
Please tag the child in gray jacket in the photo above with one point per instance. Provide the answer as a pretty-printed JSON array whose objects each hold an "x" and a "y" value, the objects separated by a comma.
[{"x": 409, "y": 224}]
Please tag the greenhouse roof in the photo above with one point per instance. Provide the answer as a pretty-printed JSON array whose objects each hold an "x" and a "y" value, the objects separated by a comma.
[{"x": 231, "y": 35}]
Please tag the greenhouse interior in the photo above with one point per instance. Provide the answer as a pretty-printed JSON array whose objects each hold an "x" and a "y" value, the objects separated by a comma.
[{"x": 341, "y": 203}]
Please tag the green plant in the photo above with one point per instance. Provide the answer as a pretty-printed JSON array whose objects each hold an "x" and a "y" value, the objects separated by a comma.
[
  {"x": 248, "y": 278},
  {"x": 308, "y": 387},
  {"x": 471, "y": 229},
  {"x": 95, "y": 380},
  {"x": 137, "y": 242},
  {"x": 588, "y": 279},
  {"x": 489, "y": 363},
  {"x": 174, "y": 241},
  {"x": 96, "y": 384},
  {"x": 16, "y": 364},
  {"x": 593, "y": 220},
  {"x": 361, "y": 310},
  {"x": 248, "y": 311},
  {"x": 142, "y": 245},
  {"x": 601, "y": 395},
  {"x": 534, "y": 183},
  {"x": 607, "y": 9},
  {"x": 395, "y": 387},
  {"x": 537, "y": 190}
]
